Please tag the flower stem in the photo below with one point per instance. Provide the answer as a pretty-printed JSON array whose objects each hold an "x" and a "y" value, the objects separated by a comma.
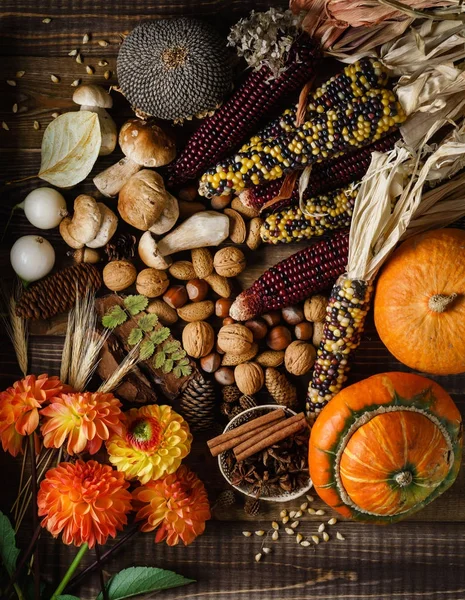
[
  {"x": 100, "y": 572},
  {"x": 25, "y": 556},
  {"x": 18, "y": 591},
  {"x": 69, "y": 573},
  {"x": 34, "y": 516}
]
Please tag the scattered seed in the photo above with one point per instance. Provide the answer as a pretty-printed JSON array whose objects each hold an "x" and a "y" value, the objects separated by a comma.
[
  {"x": 275, "y": 536},
  {"x": 76, "y": 82},
  {"x": 258, "y": 557},
  {"x": 292, "y": 514},
  {"x": 20, "y": 74},
  {"x": 295, "y": 524},
  {"x": 299, "y": 537},
  {"x": 266, "y": 550},
  {"x": 274, "y": 525},
  {"x": 260, "y": 533},
  {"x": 47, "y": 20},
  {"x": 311, "y": 511},
  {"x": 90, "y": 70},
  {"x": 11, "y": 82},
  {"x": 85, "y": 38},
  {"x": 320, "y": 512},
  {"x": 285, "y": 519},
  {"x": 246, "y": 533},
  {"x": 298, "y": 514},
  {"x": 310, "y": 498},
  {"x": 55, "y": 115},
  {"x": 108, "y": 74},
  {"x": 73, "y": 52},
  {"x": 305, "y": 543},
  {"x": 79, "y": 59},
  {"x": 15, "y": 108},
  {"x": 304, "y": 506},
  {"x": 325, "y": 536},
  {"x": 289, "y": 531},
  {"x": 102, "y": 63},
  {"x": 340, "y": 536},
  {"x": 315, "y": 539},
  {"x": 103, "y": 43},
  {"x": 332, "y": 521},
  {"x": 36, "y": 125},
  {"x": 55, "y": 78},
  {"x": 5, "y": 126},
  {"x": 321, "y": 528}
]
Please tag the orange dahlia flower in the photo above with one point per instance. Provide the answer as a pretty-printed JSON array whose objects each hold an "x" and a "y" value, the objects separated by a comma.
[
  {"x": 84, "y": 419},
  {"x": 87, "y": 501},
  {"x": 178, "y": 502},
  {"x": 19, "y": 404},
  {"x": 154, "y": 442}
]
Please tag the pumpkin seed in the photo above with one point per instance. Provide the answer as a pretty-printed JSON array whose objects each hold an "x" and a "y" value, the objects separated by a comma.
[
  {"x": 275, "y": 536},
  {"x": 310, "y": 498},
  {"x": 108, "y": 74},
  {"x": 260, "y": 533},
  {"x": 5, "y": 126},
  {"x": 36, "y": 125},
  {"x": 274, "y": 525},
  {"x": 311, "y": 511},
  {"x": 102, "y": 63},
  {"x": 47, "y": 20},
  {"x": 321, "y": 528},
  {"x": 332, "y": 521},
  {"x": 285, "y": 520},
  {"x": 299, "y": 537},
  {"x": 320, "y": 512},
  {"x": 55, "y": 78},
  {"x": 315, "y": 539},
  {"x": 246, "y": 533},
  {"x": 15, "y": 108},
  {"x": 340, "y": 536},
  {"x": 305, "y": 543},
  {"x": 85, "y": 38},
  {"x": 295, "y": 524},
  {"x": 292, "y": 514},
  {"x": 90, "y": 70},
  {"x": 325, "y": 536},
  {"x": 20, "y": 74},
  {"x": 55, "y": 115},
  {"x": 266, "y": 550},
  {"x": 103, "y": 43},
  {"x": 11, "y": 82},
  {"x": 298, "y": 514},
  {"x": 258, "y": 557},
  {"x": 304, "y": 506},
  {"x": 76, "y": 82},
  {"x": 73, "y": 52},
  {"x": 289, "y": 531}
]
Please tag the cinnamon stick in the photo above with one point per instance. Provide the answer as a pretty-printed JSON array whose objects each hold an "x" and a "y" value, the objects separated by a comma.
[
  {"x": 268, "y": 441},
  {"x": 274, "y": 415},
  {"x": 239, "y": 448},
  {"x": 241, "y": 438}
]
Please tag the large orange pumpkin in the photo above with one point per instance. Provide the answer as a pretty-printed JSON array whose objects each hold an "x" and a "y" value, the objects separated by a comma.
[
  {"x": 386, "y": 447},
  {"x": 420, "y": 302}
]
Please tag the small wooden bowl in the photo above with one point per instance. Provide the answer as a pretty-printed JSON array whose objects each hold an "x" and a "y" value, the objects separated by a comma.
[{"x": 244, "y": 417}]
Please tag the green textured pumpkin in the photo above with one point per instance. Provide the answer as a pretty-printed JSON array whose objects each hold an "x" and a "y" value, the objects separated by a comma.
[
  {"x": 386, "y": 447},
  {"x": 173, "y": 68}
]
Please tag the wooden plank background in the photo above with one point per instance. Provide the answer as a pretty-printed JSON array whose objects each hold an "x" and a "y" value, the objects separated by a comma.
[{"x": 422, "y": 558}]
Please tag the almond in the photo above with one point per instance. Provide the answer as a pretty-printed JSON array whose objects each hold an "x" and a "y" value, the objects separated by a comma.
[
  {"x": 237, "y": 228},
  {"x": 271, "y": 358},
  {"x": 232, "y": 360},
  {"x": 254, "y": 239},
  {"x": 202, "y": 261},
  {"x": 183, "y": 270},
  {"x": 246, "y": 211},
  {"x": 196, "y": 311},
  {"x": 220, "y": 285},
  {"x": 166, "y": 314}
]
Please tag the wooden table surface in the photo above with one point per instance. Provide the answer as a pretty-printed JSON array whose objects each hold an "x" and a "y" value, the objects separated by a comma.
[{"x": 419, "y": 559}]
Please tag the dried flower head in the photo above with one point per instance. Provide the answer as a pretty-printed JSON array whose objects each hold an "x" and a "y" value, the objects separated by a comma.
[
  {"x": 153, "y": 443},
  {"x": 86, "y": 501},
  {"x": 177, "y": 504}
]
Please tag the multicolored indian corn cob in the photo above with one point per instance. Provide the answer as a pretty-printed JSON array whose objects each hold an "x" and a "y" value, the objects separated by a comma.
[
  {"x": 231, "y": 123},
  {"x": 355, "y": 124},
  {"x": 294, "y": 279},
  {"x": 345, "y": 318},
  {"x": 323, "y": 214},
  {"x": 325, "y": 177}
]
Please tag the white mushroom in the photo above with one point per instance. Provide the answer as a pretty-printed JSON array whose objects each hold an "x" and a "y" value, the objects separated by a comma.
[
  {"x": 95, "y": 99},
  {"x": 144, "y": 144},
  {"x": 168, "y": 217},
  {"x": 142, "y": 199},
  {"x": 107, "y": 227},
  {"x": 85, "y": 224}
]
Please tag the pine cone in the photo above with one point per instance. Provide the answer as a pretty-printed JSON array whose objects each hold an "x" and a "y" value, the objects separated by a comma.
[
  {"x": 246, "y": 402},
  {"x": 280, "y": 389},
  {"x": 235, "y": 411},
  {"x": 231, "y": 393},
  {"x": 121, "y": 247},
  {"x": 252, "y": 506},
  {"x": 198, "y": 404},
  {"x": 57, "y": 293}
]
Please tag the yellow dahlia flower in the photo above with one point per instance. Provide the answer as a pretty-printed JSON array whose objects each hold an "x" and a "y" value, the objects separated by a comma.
[{"x": 154, "y": 442}]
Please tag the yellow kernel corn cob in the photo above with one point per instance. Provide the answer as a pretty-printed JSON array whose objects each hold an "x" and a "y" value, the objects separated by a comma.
[{"x": 323, "y": 213}]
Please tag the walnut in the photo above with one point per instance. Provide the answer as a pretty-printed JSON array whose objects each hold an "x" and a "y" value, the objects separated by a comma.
[
  {"x": 299, "y": 358},
  {"x": 229, "y": 261},
  {"x": 152, "y": 283},
  {"x": 119, "y": 275},
  {"x": 198, "y": 339},
  {"x": 315, "y": 308},
  {"x": 235, "y": 338},
  {"x": 249, "y": 378}
]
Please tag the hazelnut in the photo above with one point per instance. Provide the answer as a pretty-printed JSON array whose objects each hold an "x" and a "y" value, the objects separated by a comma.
[
  {"x": 235, "y": 338},
  {"x": 188, "y": 193},
  {"x": 229, "y": 261},
  {"x": 272, "y": 318},
  {"x": 198, "y": 339},
  {"x": 315, "y": 308},
  {"x": 293, "y": 315},
  {"x": 119, "y": 275},
  {"x": 197, "y": 290},
  {"x": 228, "y": 321},
  {"x": 222, "y": 306},
  {"x": 249, "y": 378},
  {"x": 258, "y": 327},
  {"x": 303, "y": 331},
  {"x": 152, "y": 282},
  {"x": 224, "y": 376},
  {"x": 318, "y": 329},
  {"x": 175, "y": 296},
  {"x": 279, "y": 338},
  {"x": 299, "y": 358},
  {"x": 221, "y": 202},
  {"x": 211, "y": 362}
]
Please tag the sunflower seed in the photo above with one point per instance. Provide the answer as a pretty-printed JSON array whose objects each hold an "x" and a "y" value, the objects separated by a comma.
[
  {"x": 332, "y": 521},
  {"x": 325, "y": 536},
  {"x": 275, "y": 536},
  {"x": 289, "y": 531},
  {"x": 321, "y": 528},
  {"x": 47, "y": 20},
  {"x": 292, "y": 514},
  {"x": 260, "y": 533},
  {"x": 79, "y": 59},
  {"x": 266, "y": 550},
  {"x": 274, "y": 525},
  {"x": 102, "y": 63},
  {"x": 20, "y": 74},
  {"x": 285, "y": 520},
  {"x": 340, "y": 536},
  {"x": 36, "y": 125},
  {"x": 55, "y": 115},
  {"x": 15, "y": 108},
  {"x": 304, "y": 506},
  {"x": 73, "y": 52},
  {"x": 5, "y": 126},
  {"x": 298, "y": 514},
  {"x": 295, "y": 524},
  {"x": 90, "y": 70},
  {"x": 311, "y": 511},
  {"x": 55, "y": 78},
  {"x": 315, "y": 539},
  {"x": 305, "y": 543},
  {"x": 11, "y": 82},
  {"x": 320, "y": 512},
  {"x": 310, "y": 498},
  {"x": 299, "y": 537},
  {"x": 103, "y": 43},
  {"x": 85, "y": 38},
  {"x": 246, "y": 533},
  {"x": 258, "y": 557}
]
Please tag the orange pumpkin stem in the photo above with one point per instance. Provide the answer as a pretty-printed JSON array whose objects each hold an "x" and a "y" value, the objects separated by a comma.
[
  {"x": 439, "y": 302},
  {"x": 403, "y": 478}
]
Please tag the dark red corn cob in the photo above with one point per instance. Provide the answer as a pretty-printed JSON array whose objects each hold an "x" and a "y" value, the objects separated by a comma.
[
  {"x": 237, "y": 117},
  {"x": 292, "y": 280},
  {"x": 325, "y": 177}
]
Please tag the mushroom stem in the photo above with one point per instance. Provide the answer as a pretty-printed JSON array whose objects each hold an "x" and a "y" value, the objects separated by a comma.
[
  {"x": 110, "y": 181},
  {"x": 403, "y": 478},
  {"x": 107, "y": 129},
  {"x": 439, "y": 302}
]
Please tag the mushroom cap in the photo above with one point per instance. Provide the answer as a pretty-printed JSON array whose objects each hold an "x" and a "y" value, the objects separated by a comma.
[
  {"x": 92, "y": 95},
  {"x": 169, "y": 216},
  {"x": 150, "y": 254},
  {"x": 146, "y": 143},
  {"x": 142, "y": 199}
]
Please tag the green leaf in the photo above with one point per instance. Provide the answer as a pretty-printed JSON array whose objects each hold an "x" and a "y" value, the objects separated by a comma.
[
  {"x": 114, "y": 317},
  {"x": 160, "y": 358},
  {"x": 136, "y": 304},
  {"x": 177, "y": 372},
  {"x": 135, "y": 336},
  {"x": 178, "y": 355},
  {"x": 8, "y": 551},
  {"x": 147, "y": 348},
  {"x": 186, "y": 370},
  {"x": 171, "y": 346},
  {"x": 142, "y": 580},
  {"x": 184, "y": 361},
  {"x": 160, "y": 335},
  {"x": 67, "y": 597},
  {"x": 168, "y": 366},
  {"x": 148, "y": 322}
]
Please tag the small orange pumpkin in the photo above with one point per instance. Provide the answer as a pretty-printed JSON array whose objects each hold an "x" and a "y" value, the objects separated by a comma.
[
  {"x": 419, "y": 304},
  {"x": 386, "y": 447}
]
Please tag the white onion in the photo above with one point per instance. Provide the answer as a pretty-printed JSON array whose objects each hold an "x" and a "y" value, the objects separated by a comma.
[
  {"x": 32, "y": 257},
  {"x": 44, "y": 207}
]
